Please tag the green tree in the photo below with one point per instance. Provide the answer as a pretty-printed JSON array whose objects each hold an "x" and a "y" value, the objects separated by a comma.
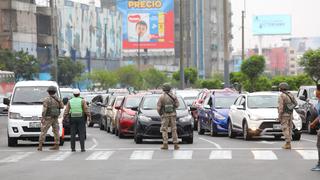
[
  {"x": 211, "y": 84},
  {"x": 263, "y": 84},
  {"x": 294, "y": 81},
  {"x": 253, "y": 67},
  {"x": 190, "y": 75},
  {"x": 24, "y": 66},
  {"x": 311, "y": 63},
  {"x": 153, "y": 78},
  {"x": 129, "y": 76},
  {"x": 68, "y": 71},
  {"x": 105, "y": 79}
]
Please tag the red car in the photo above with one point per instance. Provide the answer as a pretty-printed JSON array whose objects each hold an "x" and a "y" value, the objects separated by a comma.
[{"x": 126, "y": 113}]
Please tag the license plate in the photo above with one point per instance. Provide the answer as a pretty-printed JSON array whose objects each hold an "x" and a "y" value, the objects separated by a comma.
[
  {"x": 277, "y": 126},
  {"x": 34, "y": 125}
]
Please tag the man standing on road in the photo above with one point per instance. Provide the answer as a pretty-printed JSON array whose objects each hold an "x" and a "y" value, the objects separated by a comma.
[
  {"x": 166, "y": 107},
  {"x": 286, "y": 104},
  {"x": 50, "y": 114},
  {"x": 314, "y": 125},
  {"x": 76, "y": 110}
]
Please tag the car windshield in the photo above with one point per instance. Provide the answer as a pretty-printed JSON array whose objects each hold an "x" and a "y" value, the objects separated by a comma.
[
  {"x": 132, "y": 102},
  {"x": 150, "y": 103},
  {"x": 29, "y": 95},
  {"x": 224, "y": 102},
  {"x": 312, "y": 92},
  {"x": 189, "y": 100},
  {"x": 66, "y": 94},
  {"x": 263, "y": 101}
]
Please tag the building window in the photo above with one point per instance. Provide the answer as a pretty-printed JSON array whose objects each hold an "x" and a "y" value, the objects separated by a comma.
[
  {"x": 292, "y": 59},
  {"x": 291, "y": 51},
  {"x": 292, "y": 66}
]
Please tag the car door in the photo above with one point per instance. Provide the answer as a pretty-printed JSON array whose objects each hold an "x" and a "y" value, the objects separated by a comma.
[
  {"x": 204, "y": 112},
  {"x": 237, "y": 113}
]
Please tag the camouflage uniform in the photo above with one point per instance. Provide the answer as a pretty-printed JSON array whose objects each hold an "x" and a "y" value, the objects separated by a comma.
[
  {"x": 50, "y": 121},
  {"x": 168, "y": 119},
  {"x": 285, "y": 118}
]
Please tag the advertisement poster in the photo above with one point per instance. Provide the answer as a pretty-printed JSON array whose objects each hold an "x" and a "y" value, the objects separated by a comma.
[
  {"x": 271, "y": 25},
  {"x": 147, "y": 23}
]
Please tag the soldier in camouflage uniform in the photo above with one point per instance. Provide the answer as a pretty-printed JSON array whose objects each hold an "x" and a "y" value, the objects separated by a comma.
[
  {"x": 166, "y": 108},
  {"x": 50, "y": 113},
  {"x": 314, "y": 125},
  {"x": 285, "y": 117}
]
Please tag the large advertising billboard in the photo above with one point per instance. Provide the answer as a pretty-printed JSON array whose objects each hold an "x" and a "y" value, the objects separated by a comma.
[
  {"x": 271, "y": 25},
  {"x": 148, "y": 24}
]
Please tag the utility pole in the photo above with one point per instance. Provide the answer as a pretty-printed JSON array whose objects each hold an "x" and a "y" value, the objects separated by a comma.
[
  {"x": 242, "y": 39},
  {"x": 139, "y": 60},
  {"x": 105, "y": 45},
  {"x": 54, "y": 58},
  {"x": 226, "y": 42},
  {"x": 181, "y": 46}
]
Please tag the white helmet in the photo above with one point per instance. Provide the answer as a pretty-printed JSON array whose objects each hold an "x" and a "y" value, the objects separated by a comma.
[{"x": 76, "y": 91}]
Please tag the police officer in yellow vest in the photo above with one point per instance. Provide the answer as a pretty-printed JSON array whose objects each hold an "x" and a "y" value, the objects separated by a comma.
[{"x": 77, "y": 110}]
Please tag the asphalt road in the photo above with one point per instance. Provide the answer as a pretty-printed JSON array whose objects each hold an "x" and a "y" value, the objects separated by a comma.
[{"x": 108, "y": 157}]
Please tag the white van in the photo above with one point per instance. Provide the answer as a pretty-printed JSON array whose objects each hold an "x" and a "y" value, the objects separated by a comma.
[{"x": 25, "y": 111}]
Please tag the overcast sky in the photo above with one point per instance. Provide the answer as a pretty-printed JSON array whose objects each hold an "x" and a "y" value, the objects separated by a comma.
[{"x": 305, "y": 23}]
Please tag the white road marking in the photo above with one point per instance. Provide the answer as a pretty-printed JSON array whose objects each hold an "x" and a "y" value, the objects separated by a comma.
[
  {"x": 182, "y": 154},
  {"x": 59, "y": 156},
  {"x": 265, "y": 142},
  {"x": 308, "y": 154},
  {"x": 141, "y": 155},
  {"x": 264, "y": 155},
  {"x": 211, "y": 142},
  {"x": 95, "y": 144},
  {"x": 16, "y": 157},
  {"x": 309, "y": 140},
  {"x": 217, "y": 154},
  {"x": 100, "y": 155}
]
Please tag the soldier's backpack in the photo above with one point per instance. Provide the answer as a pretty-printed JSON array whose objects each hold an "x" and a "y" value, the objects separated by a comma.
[
  {"x": 169, "y": 108},
  {"x": 290, "y": 106},
  {"x": 53, "y": 109}
]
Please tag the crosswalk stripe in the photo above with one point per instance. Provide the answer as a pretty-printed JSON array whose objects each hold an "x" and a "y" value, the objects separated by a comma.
[
  {"x": 182, "y": 154},
  {"x": 220, "y": 154},
  {"x": 16, "y": 157},
  {"x": 308, "y": 154},
  {"x": 264, "y": 155},
  {"x": 141, "y": 155},
  {"x": 59, "y": 156},
  {"x": 100, "y": 155}
]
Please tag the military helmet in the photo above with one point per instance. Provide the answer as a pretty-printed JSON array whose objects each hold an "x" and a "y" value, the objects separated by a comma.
[
  {"x": 166, "y": 87},
  {"x": 52, "y": 89},
  {"x": 284, "y": 86}
]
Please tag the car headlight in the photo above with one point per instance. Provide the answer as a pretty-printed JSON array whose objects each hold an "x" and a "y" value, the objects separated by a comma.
[
  {"x": 219, "y": 117},
  {"x": 253, "y": 117},
  {"x": 185, "y": 119},
  {"x": 14, "y": 115},
  {"x": 145, "y": 119}
]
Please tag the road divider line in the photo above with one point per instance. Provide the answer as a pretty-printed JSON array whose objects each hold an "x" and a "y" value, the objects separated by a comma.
[
  {"x": 217, "y": 154},
  {"x": 100, "y": 155},
  {"x": 141, "y": 155},
  {"x": 308, "y": 154},
  {"x": 16, "y": 157},
  {"x": 95, "y": 144},
  {"x": 264, "y": 155},
  {"x": 211, "y": 142},
  {"x": 59, "y": 156},
  {"x": 181, "y": 154},
  {"x": 309, "y": 140}
]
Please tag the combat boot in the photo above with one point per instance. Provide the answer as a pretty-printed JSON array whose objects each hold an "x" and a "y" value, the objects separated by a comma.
[
  {"x": 40, "y": 147},
  {"x": 164, "y": 147},
  {"x": 176, "y": 147},
  {"x": 286, "y": 146},
  {"x": 55, "y": 147}
]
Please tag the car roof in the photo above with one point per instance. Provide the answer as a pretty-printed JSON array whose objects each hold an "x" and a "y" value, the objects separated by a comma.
[
  {"x": 263, "y": 93},
  {"x": 36, "y": 83},
  {"x": 66, "y": 89}
]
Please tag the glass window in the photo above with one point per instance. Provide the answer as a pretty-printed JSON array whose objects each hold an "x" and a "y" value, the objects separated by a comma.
[
  {"x": 132, "y": 102},
  {"x": 224, "y": 102},
  {"x": 29, "y": 95},
  {"x": 263, "y": 101},
  {"x": 312, "y": 92}
]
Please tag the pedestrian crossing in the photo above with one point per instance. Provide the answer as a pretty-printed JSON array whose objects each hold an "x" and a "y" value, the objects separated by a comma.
[{"x": 135, "y": 155}]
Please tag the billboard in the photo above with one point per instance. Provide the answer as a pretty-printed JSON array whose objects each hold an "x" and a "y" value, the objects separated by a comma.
[
  {"x": 271, "y": 25},
  {"x": 148, "y": 24}
]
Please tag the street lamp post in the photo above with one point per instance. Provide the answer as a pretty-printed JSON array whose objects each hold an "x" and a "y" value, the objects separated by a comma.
[{"x": 139, "y": 63}]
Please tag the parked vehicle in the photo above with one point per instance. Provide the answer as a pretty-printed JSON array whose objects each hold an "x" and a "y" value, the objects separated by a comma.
[
  {"x": 97, "y": 110},
  {"x": 25, "y": 111},
  {"x": 148, "y": 122},
  {"x": 126, "y": 114},
  {"x": 109, "y": 122},
  {"x": 3, "y": 107},
  {"x": 306, "y": 106},
  {"x": 213, "y": 115},
  {"x": 198, "y": 104},
  {"x": 256, "y": 114}
]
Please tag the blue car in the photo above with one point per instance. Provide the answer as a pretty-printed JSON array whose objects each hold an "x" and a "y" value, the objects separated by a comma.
[{"x": 213, "y": 115}]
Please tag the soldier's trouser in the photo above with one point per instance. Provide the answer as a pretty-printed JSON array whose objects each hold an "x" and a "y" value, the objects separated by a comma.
[
  {"x": 50, "y": 122},
  {"x": 318, "y": 146},
  {"x": 165, "y": 121},
  {"x": 78, "y": 126},
  {"x": 287, "y": 124}
]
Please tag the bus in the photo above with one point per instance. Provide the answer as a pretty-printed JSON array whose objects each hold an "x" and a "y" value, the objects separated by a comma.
[{"x": 7, "y": 82}]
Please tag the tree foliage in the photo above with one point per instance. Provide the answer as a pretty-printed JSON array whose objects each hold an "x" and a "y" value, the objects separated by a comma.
[
  {"x": 294, "y": 81},
  {"x": 153, "y": 78},
  {"x": 24, "y": 66},
  {"x": 68, "y": 71},
  {"x": 190, "y": 75},
  {"x": 129, "y": 76},
  {"x": 211, "y": 84},
  {"x": 105, "y": 79},
  {"x": 311, "y": 63}
]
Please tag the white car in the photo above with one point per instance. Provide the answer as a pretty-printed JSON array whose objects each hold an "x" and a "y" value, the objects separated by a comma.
[{"x": 256, "y": 114}]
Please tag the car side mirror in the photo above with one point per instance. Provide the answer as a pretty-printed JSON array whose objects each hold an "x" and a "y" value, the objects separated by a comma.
[
  {"x": 193, "y": 108},
  {"x": 134, "y": 108},
  {"x": 303, "y": 98},
  {"x": 6, "y": 101},
  {"x": 65, "y": 100},
  {"x": 206, "y": 106}
]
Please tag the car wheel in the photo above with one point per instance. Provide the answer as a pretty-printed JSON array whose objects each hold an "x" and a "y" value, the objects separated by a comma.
[
  {"x": 116, "y": 132},
  {"x": 308, "y": 122},
  {"x": 200, "y": 130},
  {"x": 231, "y": 134},
  {"x": 296, "y": 136},
  {"x": 12, "y": 142},
  {"x": 101, "y": 126},
  {"x": 90, "y": 124},
  {"x": 212, "y": 130},
  {"x": 138, "y": 139},
  {"x": 61, "y": 142},
  {"x": 120, "y": 134},
  {"x": 188, "y": 140},
  {"x": 195, "y": 124},
  {"x": 246, "y": 135}
]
